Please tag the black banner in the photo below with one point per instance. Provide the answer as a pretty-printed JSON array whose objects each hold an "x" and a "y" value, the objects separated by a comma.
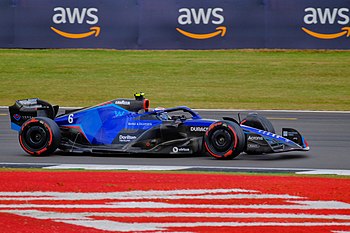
[{"x": 175, "y": 24}]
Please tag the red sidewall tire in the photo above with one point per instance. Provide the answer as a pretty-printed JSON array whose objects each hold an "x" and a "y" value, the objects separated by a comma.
[
  {"x": 224, "y": 140},
  {"x": 39, "y": 136}
]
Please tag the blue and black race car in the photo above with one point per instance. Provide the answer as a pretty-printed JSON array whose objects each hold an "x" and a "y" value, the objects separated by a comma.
[{"x": 130, "y": 126}]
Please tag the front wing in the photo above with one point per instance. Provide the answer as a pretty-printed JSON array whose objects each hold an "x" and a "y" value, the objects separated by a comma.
[{"x": 260, "y": 141}]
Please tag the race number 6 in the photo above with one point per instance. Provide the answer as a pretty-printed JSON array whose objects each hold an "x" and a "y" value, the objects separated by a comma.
[{"x": 70, "y": 118}]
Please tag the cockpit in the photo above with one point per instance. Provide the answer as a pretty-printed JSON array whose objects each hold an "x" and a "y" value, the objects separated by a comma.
[
  {"x": 178, "y": 113},
  {"x": 163, "y": 116}
]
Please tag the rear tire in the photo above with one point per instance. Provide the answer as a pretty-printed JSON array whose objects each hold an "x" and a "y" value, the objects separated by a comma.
[
  {"x": 39, "y": 136},
  {"x": 224, "y": 140}
]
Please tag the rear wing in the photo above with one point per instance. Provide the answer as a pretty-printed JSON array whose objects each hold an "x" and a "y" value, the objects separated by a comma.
[{"x": 26, "y": 109}]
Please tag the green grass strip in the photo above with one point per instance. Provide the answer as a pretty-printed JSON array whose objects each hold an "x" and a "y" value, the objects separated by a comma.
[{"x": 240, "y": 79}]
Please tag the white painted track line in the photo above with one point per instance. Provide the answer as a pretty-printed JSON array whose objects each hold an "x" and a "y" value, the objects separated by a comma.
[{"x": 301, "y": 171}]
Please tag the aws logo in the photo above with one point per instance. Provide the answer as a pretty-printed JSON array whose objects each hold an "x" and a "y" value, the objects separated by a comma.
[
  {"x": 190, "y": 16},
  {"x": 339, "y": 16},
  {"x": 76, "y": 16}
]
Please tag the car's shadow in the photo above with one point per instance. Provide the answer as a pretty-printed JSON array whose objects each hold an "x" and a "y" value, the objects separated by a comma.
[
  {"x": 278, "y": 156},
  {"x": 243, "y": 156},
  {"x": 121, "y": 155}
]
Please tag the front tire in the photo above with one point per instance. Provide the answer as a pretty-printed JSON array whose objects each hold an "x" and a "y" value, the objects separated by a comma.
[
  {"x": 259, "y": 122},
  {"x": 39, "y": 136},
  {"x": 224, "y": 140}
]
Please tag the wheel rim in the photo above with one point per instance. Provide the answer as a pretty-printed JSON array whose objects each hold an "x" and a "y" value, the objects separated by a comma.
[
  {"x": 36, "y": 137},
  {"x": 221, "y": 140}
]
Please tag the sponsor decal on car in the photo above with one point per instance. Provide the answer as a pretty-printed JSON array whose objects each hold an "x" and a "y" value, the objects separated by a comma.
[
  {"x": 140, "y": 123},
  {"x": 255, "y": 138},
  {"x": 340, "y": 17},
  {"x": 25, "y": 117},
  {"x": 126, "y": 138},
  {"x": 76, "y": 16},
  {"x": 198, "y": 128},
  {"x": 200, "y": 16},
  {"x": 119, "y": 113},
  {"x": 253, "y": 146},
  {"x": 122, "y": 102},
  {"x": 180, "y": 149},
  {"x": 33, "y": 101},
  {"x": 17, "y": 117}
]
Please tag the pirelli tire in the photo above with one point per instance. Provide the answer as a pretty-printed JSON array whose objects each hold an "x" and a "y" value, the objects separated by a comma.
[
  {"x": 224, "y": 140},
  {"x": 259, "y": 122},
  {"x": 39, "y": 136}
]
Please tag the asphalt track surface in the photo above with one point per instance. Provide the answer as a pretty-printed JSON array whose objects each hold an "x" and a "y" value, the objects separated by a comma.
[{"x": 326, "y": 132}]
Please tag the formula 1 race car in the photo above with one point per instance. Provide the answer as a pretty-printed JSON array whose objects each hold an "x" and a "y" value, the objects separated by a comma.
[{"x": 130, "y": 126}]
